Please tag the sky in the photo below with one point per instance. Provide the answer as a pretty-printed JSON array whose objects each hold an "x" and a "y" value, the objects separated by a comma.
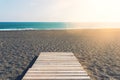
[{"x": 60, "y": 10}]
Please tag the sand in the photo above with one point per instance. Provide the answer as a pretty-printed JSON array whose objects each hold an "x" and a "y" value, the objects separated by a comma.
[{"x": 97, "y": 50}]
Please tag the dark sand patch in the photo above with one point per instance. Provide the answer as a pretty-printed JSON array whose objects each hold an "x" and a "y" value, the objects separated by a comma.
[{"x": 97, "y": 50}]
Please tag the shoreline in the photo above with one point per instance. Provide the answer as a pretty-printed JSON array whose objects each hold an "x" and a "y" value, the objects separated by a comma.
[{"x": 30, "y": 29}]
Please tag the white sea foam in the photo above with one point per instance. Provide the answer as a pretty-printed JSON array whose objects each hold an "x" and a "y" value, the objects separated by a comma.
[
  {"x": 24, "y": 29},
  {"x": 17, "y": 29}
]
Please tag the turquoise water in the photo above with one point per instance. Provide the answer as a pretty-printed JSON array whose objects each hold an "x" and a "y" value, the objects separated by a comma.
[
  {"x": 54, "y": 25},
  {"x": 33, "y": 25}
]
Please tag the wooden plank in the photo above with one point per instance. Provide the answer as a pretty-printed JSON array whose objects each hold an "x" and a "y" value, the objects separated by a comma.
[
  {"x": 58, "y": 65},
  {"x": 58, "y": 61},
  {"x": 53, "y": 64},
  {"x": 57, "y": 55},
  {"x": 56, "y": 52},
  {"x": 57, "y": 68},
  {"x": 48, "y": 55},
  {"x": 55, "y": 75},
  {"x": 56, "y": 72},
  {"x": 53, "y": 59},
  {"x": 69, "y": 58},
  {"x": 65, "y": 78},
  {"x": 59, "y": 71}
]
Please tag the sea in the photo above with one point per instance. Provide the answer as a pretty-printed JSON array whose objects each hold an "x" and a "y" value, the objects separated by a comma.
[
  {"x": 6, "y": 26},
  {"x": 9, "y": 26}
]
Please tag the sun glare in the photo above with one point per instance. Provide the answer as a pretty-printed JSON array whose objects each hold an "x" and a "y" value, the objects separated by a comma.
[{"x": 93, "y": 11}]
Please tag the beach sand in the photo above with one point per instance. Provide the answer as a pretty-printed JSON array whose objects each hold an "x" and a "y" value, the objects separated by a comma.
[{"x": 98, "y": 50}]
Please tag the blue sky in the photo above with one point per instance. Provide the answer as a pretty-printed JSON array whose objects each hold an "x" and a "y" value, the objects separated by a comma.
[{"x": 60, "y": 10}]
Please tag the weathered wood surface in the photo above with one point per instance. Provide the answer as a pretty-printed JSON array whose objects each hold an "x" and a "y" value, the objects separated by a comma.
[{"x": 56, "y": 66}]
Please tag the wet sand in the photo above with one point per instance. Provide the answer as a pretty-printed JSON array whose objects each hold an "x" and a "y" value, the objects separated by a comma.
[{"x": 97, "y": 50}]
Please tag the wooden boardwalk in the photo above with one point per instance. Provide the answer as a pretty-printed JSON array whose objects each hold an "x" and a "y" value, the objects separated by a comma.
[{"x": 56, "y": 66}]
